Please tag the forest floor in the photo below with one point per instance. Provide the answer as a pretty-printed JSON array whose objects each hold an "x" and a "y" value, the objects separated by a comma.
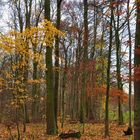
[{"x": 92, "y": 132}]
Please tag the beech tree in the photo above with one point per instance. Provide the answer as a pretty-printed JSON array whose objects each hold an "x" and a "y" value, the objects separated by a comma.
[{"x": 50, "y": 100}]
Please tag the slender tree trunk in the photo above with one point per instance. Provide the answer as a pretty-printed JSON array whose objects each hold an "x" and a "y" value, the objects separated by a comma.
[
  {"x": 118, "y": 67},
  {"x": 28, "y": 9},
  {"x": 56, "y": 86},
  {"x": 63, "y": 102},
  {"x": 63, "y": 94},
  {"x": 137, "y": 81},
  {"x": 108, "y": 74},
  {"x": 130, "y": 64},
  {"x": 34, "y": 94}
]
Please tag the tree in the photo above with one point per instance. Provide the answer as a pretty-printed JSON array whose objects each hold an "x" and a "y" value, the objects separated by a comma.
[
  {"x": 118, "y": 63},
  {"x": 130, "y": 64},
  {"x": 36, "y": 73},
  {"x": 108, "y": 72},
  {"x": 137, "y": 75},
  {"x": 50, "y": 104},
  {"x": 56, "y": 86},
  {"x": 84, "y": 62},
  {"x": 17, "y": 85}
]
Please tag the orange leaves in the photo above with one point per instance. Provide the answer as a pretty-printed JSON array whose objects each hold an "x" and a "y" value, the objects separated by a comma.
[
  {"x": 117, "y": 92},
  {"x": 92, "y": 131},
  {"x": 99, "y": 90},
  {"x": 114, "y": 92}
]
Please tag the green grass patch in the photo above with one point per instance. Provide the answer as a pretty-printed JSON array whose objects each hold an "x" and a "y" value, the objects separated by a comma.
[{"x": 113, "y": 116}]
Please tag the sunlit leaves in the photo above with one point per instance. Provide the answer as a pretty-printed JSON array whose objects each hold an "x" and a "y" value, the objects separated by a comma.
[
  {"x": 6, "y": 43},
  {"x": 39, "y": 81}
]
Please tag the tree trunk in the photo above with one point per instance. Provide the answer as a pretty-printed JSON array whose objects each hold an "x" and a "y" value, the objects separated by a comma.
[
  {"x": 56, "y": 86},
  {"x": 63, "y": 90},
  {"x": 137, "y": 82},
  {"x": 85, "y": 58},
  {"x": 118, "y": 67},
  {"x": 108, "y": 75},
  {"x": 130, "y": 65},
  {"x": 50, "y": 110},
  {"x": 35, "y": 94}
]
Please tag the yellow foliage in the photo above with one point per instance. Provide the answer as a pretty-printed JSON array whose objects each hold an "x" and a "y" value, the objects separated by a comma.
[
  {"x": 26, "y": 49},
  {"x": 37, "y": 81},
  {"x": 43, "y": 34}
]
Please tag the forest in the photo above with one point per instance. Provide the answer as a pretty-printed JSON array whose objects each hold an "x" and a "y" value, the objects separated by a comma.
[{"x": 69, "y": 69}]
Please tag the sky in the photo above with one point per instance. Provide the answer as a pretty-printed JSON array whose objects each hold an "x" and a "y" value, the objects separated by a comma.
[{"x": 4, "y": 18}]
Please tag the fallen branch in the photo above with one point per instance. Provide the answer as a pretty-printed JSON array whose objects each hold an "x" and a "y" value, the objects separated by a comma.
[{"x": 70, "y": 134}]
